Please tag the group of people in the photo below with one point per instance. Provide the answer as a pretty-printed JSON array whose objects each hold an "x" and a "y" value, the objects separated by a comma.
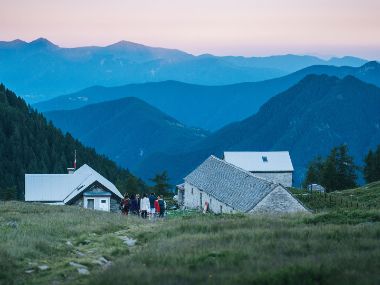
[{"x": 151, "y": 206}]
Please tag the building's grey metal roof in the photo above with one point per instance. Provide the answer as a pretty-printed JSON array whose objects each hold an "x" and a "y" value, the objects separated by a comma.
[
  {"x": 63, "y": 187},
  {"x": 258, "y": 161},
  {"x": 230, "y": 184}
]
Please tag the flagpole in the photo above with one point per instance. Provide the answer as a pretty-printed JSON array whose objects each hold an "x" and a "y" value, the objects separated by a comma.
[{"x": 75, "y": 159}]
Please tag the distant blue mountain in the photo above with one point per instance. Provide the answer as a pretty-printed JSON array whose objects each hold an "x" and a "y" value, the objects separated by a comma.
[
  {"x": 40, "y": 70},
  {"x": 207, "y": 107},
  {"x": 126, "y": 130},
  {"x": 308, "y": 119}
]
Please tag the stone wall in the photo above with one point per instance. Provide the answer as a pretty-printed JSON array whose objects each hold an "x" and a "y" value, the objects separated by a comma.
[
  {"x": 283, "y": 178},
  {"x": 279, "y": 201},
  {"x": 192, "y": 200}
]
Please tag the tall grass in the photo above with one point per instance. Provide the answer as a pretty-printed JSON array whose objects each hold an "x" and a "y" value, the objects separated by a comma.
[
  {"x": 294, "y": 249},
  {"x": 335, "y": 246},
  {"x": 35, "y": 232}
]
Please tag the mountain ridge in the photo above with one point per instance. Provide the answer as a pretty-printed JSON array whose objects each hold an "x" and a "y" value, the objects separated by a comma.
[
  {"x": 313, "y": 116},
  {"x": 215, "y": 106},
  {"x": 40, "y": 70},
  {"x": 126, "y": 130}
]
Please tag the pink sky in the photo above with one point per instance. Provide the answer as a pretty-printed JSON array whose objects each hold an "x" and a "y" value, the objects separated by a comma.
[{"x": 239, "y": 27}]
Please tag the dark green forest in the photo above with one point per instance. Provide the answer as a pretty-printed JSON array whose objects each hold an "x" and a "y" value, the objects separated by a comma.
[
  {"x": 338, "y": 171},
  {"x": 31, "y": 144}
]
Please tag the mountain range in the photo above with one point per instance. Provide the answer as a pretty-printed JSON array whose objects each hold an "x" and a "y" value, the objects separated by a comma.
[
  {"x": 127, "y": 130},
  {"x": 207, "y": 107},
  {"x": 40, "y": 70},
  {"x": 308, "y": 119}
]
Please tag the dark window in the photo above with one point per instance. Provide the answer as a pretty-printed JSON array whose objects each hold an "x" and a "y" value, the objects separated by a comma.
[
  {"x": 221, "y": 209},
  {"x": 265, "y": 159},
  {"x": 192, "y": 191},
  {"x": 103, "y": 201},
  {"x": 210, "y": 201}
]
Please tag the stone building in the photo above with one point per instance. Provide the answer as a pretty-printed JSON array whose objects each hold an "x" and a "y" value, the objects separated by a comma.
[
  {"x": 275, "y": 166},
  {"x": 226, "y": 188},
  {"x": 84, "y": 187}
]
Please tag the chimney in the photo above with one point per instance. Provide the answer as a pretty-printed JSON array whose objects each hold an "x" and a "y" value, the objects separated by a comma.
[{"x": 70, "y": 170}]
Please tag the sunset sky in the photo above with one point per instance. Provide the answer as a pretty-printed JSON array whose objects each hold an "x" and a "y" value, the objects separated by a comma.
[{"x": 221, "y": 27}]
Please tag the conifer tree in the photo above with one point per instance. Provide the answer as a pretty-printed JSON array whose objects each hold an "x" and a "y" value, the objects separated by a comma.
[
  {"x": 372, "y": 166},
  {"x": 161, "y": 185},
  {"x": 336, "y": 172}
]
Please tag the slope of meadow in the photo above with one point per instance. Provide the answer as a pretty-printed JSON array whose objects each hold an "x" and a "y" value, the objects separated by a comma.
[{"x": 336, "y": 245}]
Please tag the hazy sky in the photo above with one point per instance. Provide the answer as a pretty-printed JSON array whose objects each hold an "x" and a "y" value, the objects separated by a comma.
[{"x": 222, "y": 27}]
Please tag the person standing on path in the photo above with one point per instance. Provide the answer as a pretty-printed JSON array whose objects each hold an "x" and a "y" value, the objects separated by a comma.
[
  {"x": 157, "y": 206},
  {"x": 144, "y": 206},
  {"x": 162, "y": 205},
  {"x": 126, "y": 204},
  {"x": 152, "y": 198},
  {"x": 134, "y": 208}
]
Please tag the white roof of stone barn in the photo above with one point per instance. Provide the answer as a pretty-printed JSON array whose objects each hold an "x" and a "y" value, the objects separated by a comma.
[
  {"x": 274, "y": 161},
  {"x": 63, "y": 187}
]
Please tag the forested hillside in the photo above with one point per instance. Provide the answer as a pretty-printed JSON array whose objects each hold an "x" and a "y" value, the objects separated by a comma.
[
  {"x": 308, "y": 119},
  {"x": 29, "y": 144}
]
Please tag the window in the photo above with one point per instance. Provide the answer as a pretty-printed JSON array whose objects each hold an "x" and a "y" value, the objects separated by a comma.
[
  {"x": 192, "y": 191},
  {"x": 265, "y": 158},
  {"x": 103, "y": 201},
  {"x": 210, "y": 201},
  {"x": 221, "y": 209}
]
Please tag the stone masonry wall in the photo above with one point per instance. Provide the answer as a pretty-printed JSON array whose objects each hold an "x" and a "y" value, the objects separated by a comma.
[
  {"x": 279, "y": 201},
  {"x": 283, "y": 178},
  {"x": 192, "y": 200}
]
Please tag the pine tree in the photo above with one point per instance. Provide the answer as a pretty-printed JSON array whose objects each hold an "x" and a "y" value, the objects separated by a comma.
[
  {"x": 336, "y": 172},
  {"x": 161, "y": 185},
  {"x": 314, "y": 172},
  {"x": 372, "y": 166}
]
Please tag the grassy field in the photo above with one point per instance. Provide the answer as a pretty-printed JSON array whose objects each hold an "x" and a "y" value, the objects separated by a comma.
[
  {"x": 366, "y": 197},
  {"x": 33, "y": 235},
  {"x": 337, "y": 245}
]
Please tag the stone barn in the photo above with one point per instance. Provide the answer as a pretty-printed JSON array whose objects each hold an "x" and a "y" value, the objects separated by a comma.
[
  {"x": 84, "y": 187},
  {"x": 227, "y": 188},
  {"x": 275, "y": 166}
]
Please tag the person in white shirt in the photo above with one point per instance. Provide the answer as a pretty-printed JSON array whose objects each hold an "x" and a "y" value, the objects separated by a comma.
[{"x": 144, "y": 206}]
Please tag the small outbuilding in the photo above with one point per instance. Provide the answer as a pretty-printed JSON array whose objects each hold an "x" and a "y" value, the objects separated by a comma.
[
  {"x": 316, "y": 188},
  {"x": 83, "y": 187},
  {"x": 275, "y": 166},
  {"x": 226, "y": 188}
]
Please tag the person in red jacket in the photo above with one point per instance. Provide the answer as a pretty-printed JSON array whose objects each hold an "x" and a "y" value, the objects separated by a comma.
[{"x": 157, "y": 205}]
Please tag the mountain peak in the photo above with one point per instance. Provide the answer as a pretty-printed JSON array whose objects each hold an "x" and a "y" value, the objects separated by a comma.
[
  {"x": 125, "y": 44},
  {"x": 13, "y": 44},
  {"x": 42, "y": 42},
  {"x": 371, "y": 64}
]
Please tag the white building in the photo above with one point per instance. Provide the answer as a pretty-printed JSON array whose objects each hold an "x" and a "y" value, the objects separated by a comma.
[
  {"x": 84, "y": 187},
  {"x": 227, "y": 188},
  {"x": 275, "y": 166}
]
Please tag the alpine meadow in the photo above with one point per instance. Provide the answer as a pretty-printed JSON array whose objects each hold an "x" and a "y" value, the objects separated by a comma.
[{"x": 202, "y": 142}]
